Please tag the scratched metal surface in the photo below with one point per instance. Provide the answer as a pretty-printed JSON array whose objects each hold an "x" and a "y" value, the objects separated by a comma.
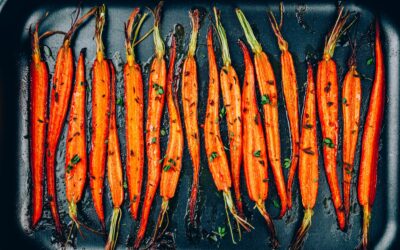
[{"x": 305, "y": 26}]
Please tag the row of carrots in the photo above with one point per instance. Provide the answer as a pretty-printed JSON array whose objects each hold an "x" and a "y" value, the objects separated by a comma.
[{"x": 251, "y": 144}]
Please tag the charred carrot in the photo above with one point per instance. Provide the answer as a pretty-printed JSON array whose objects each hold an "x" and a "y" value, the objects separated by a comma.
[
  {"x": 217, "y": 160},
  {"x": 230, "y": 88},
  {"x": 173, "y": 156},
  {"x": 308, "y": 164},
  {"x": 100, "y": 117},
  {"x": 254, "y": 148},
  {"x": 367, "y": 177},
  {"x": 133, "y": 115},
  {"x": 289, "y": 86},
  {"x": 114, "y": 167},
  {"x": 327, "y": 97},
  {"x": 190, "y": 103},
  {"x": 38, "y": 119},
  {"x": 75, "y": 156},
  {"x": 269, "y": 101},
  {"x": 351, "y": 103},
  {"x": 59, "y": 103},
  {"x": 157, "y": 83}
]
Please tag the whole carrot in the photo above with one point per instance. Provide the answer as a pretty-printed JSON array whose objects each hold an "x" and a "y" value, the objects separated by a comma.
[
  {"x": 254, "y": 148},
  {"x": 190, "y": 103},
  {"x": 100, "y": 117},
  {"x": 230, "y": 87},
  {"x": 173, "y": 156},
  {"x": 59, "y": 103},
  {"x": 39, "y": 77},
  {"x": 308, "y": 164},
  {"x": 75, "y": 156},
  {"x": 289, "y": 85},
  {"x": 133, "y": 115},
  {"x": 217, "y": 160},
  {"x": 351, "y": 103},
  {"x": 269, "y": 101},
  {"x": 327, "y": 97},
  {"x": 367, "y": 177},
  {"x": 114, "y": 168},
  {"x": 157, "y": 83}
]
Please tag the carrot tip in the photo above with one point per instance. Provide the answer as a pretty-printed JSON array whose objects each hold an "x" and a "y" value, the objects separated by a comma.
[{"x": 302, "y": 232}]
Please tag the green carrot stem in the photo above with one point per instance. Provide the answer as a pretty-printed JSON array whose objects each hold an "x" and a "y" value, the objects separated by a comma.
[
  {"x": 222, "y": 38},
  {"x": 195, "y": 19},
  {"x": 114, "y": 229},
  {"x": 248, "y": 32}
]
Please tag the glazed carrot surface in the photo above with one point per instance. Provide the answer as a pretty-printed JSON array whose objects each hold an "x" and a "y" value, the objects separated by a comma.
[
  {"x": 368, "y": 172},
  {"x": 155, "y": 106},
  {"x": 351, "y": 103},
  {"x": 114, "y": 167},
  {"x": 75, "y": 156},
  {"x": 39, "y": 82},
  {"x": 190, "y": 110},
  {"x": 289, "y": 85},
  {"x": 230, "y": 88},
  {"x": 327, "y": 97},
  {"x": 101, "y": 103},
  {"x": 133, "y": 115},
  {"x": 308, "y": 161},
  {"x": 254, "y": 147},
  {"x": 269, "y": 100}
]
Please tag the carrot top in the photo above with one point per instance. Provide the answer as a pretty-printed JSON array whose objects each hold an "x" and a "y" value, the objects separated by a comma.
[
  {"x": 132, "y": 27},
  {"x": 283, "y": 45},
  {"x": 158, "y": 41},
  {"x": 222, "y": 38},
  {"x": 77, "y": 22},
  {"x": 195, "y": 19},
  {"x": 248, "y": 32},
  {"x": 100, "y": 20}
]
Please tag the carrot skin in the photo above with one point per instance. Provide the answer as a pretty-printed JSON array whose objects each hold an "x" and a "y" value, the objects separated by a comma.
[
  {"x": 367, "y": 177},
  {"x": 267, "y": 86},
  {"x": 75, "y": 173},
  {"x": 101, "y": 103},
  {"x": 134, "y": 134},
  {"x": 59, "y": 103},
  {"x": 351, "y": 103},
  {"x": 38, "y": 120},
  {"x": 327, "y": 96}
]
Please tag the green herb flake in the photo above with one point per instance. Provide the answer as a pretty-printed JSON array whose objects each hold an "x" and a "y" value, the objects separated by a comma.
[
  {"x": 125, "y": 185},
  {"x": 275, "y": 203},
  {"x": 159, "y": 89},
  {"x": 153, "y": 140},
  {"x": 166, "y": 168},
  {"x": 257, "y": 153},
  {"x": 221, "y": 232},
  {"x": 328, "y": 142},
  {"x": 69, "y": 168},
  {"x": 265, "y": 100},
  {"x": 222, "y": 112},
  {"x": 213, "y": 156},
  {"x": 370, "y": 61},
  {"x": 163, "y": 132},
  {"x": 286, "y": 163},
  {"x": 344, "y": 101},
  {"x": 75, "y": 159},
  {"x": 120, "y": 101}
]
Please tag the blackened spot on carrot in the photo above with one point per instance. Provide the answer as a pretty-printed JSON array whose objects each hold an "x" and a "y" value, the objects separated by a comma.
[
  {"x": 225, "y": 71},
  {"x": 328, "y": 87},
  {"x": 212, "y": 103},
  {"x": 230, "y": 86},
  {"x": 186, "y": 73},
  {"x": 103, "y": 95},
  {"x": 330, "y": 104},
  {"x": 132, "y": 153},
  {"x": 56, "y": 97},
  {"x": 308, "y": 151},
  {"x": 137, "y": 99},
  {"x": 307, "y": 115},
  {"x": 270, "y": 82},
  {"x": 245, "y": 110}
]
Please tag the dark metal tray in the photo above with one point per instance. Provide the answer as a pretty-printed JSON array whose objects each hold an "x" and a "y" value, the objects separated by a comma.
[{"x": 305, "y": 26}]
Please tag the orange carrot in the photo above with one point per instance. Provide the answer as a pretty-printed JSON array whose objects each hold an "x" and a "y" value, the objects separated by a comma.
[
  {"x": 114, "y": 168},
  {"x": 100, "y": 118},
  {"x": 351, "y": 102},
  {"x": 59, "y": 103},
  {"x": 367, "y": 177},
  {"x": 217, "y": 160},
  {"x": 254, "y": 148},
  {"x": 308, "y": 164},
  {"x": 157, "y": 83},
  {"x": 190, "y": 101},
  {"x": 327, "y": 96},
  {"x": 75, "y": 156},
  {"x": 269, "y": 101},
  {"x": 173, "y": 156},
  {"x": 230, "y": 87},
  {"x": 133, "y": 115},
  {"x": 289, "y": 85}
]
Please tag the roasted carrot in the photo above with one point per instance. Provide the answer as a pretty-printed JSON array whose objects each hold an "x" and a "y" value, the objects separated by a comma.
[
  {"x": 133, "y": 115},
  {"x": 327, "y": 97},
  {"x": 114, "y": 167},
  {"x": 269, "y": 101},
  {"x": 59, "y": 103},
  {"x": 190, "y": 103},
  {"x": 368, "y": 172},
  {"x": 254, "y": 148},
  {"x": 289, "y": 86},
  {"x": 173, "y": 156},
  {"x": 351, "y": 103},
  {"x": 308, "y": 164},
  {"x": 100, "y": 117},
  {"x": 157, "y": 83},
  {"x": 75, "y": 156},
  {"x": 217, "y": 160},
  {"x": 39, "y": 77},
  {"x": 230, "y": 88}
]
